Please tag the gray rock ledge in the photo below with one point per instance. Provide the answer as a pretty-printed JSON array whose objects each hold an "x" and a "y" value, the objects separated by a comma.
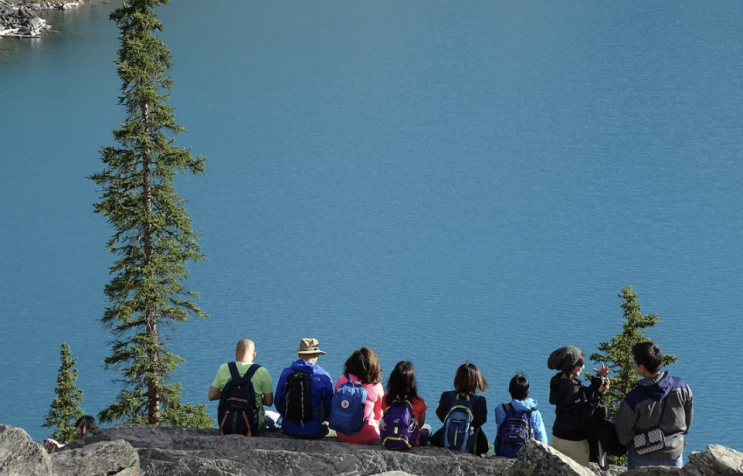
[{"x": 129, "y": 450}]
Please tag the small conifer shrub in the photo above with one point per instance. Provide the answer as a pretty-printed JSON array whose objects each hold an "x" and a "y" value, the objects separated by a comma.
[
  {"x": 65, "y": 408},
  {"x": 617, "y": 354}
]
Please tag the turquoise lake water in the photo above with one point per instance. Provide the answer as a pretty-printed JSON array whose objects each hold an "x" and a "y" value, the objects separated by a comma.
[{"x": 438, "y": 181}]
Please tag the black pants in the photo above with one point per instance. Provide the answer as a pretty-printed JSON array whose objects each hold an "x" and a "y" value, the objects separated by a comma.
[
  {"x": 481, "y": 442},
  {"x": 321, "y": 434}
]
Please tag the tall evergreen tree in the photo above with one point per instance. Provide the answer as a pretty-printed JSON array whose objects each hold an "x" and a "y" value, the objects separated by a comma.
[
  {"x": 153, "y": 236},
  {"x": 617, "y": 354},
  {"x": 65, "y": 408}
]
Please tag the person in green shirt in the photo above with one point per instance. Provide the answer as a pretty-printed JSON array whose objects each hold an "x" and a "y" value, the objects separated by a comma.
[{"x": 261, "y": 380}]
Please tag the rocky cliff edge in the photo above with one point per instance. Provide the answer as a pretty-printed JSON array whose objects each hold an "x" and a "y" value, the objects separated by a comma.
[
  {"x": 175, "y": 451},
  {"x": 19, "y": 20}
]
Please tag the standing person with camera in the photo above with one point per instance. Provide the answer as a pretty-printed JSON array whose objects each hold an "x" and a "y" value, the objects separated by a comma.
[
  {"x": 571, "y": 398},
  {"x": 655, "y": 416}
]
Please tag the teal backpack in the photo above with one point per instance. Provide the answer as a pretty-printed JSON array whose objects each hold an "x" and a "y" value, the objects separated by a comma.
[{"x": 458, "y": 432}]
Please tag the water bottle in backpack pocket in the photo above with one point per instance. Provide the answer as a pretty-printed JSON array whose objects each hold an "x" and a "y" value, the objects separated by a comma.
[
  {"x": 398, "y": 427},
  {"x": 459, "y": 435},
  {"x": 298, "y": 398},
  {"x": 238, "y": 413},
  {"x": 348, "y": 408},
  {"x": 514, "y": 432}
]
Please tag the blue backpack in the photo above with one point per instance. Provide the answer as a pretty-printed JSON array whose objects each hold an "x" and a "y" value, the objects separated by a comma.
[
  {"x": 458, "y": 432},
  {"x": 347, "y": 409},
  {"x": 514, "y": 432},
  {"x": 398, "y": 427}
]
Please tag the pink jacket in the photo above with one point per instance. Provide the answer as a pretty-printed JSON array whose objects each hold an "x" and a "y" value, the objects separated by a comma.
[{"x": 370, "y": 432}]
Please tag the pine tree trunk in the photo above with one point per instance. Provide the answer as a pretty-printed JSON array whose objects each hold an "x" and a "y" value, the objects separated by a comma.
[{"x": 153, "y": 384}]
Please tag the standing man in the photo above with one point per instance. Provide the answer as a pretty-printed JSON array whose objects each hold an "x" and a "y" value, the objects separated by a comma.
[
  {"x": 304, "y": 394},
  {"x": 260, "y": 381},
  {"x": 658, "y": 401}
]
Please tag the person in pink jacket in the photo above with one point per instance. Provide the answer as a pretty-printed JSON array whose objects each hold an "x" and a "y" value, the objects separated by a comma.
[{"x": 363, "y": 366}]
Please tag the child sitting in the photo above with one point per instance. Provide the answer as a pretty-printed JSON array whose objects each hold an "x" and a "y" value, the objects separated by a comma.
[
  {"x": 518, "y": 421},
  {"x": 362, "y": 367},
  {"x": 401, "y": 387},
  {"x": 462, "y": 400}
]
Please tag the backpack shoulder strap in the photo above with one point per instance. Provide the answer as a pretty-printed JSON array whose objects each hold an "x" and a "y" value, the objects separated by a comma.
[
  {"x": 320, "y": 409},
  {"x": 246, "y": 377},
  {"x": 251, "y": 371},
  {"x": 529, "y": 415},
  {"x": 462, "y": 399},
  {"x": 233, "y": 371},
  {"x": 355, "y": 384}
]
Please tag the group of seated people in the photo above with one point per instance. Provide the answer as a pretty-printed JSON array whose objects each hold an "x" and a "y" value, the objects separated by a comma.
[{"x": 309, "y": 405}]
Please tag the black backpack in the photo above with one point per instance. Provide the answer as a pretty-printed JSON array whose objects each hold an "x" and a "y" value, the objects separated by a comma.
[
  {"x": 238, "y": 413},
  {"x": 298, "y": 397}
]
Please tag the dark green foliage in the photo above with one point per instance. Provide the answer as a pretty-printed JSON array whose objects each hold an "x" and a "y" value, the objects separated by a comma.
[
  {"x": 132, "y": 405},
  {"x": 153, "y": 236},
  {"x": 194, "y": 416},
  {"x": 617, "y": 353},
  {"x": 65, "y": 408}
]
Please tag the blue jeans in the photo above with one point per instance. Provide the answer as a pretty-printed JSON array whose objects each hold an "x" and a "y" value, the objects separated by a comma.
[{"x": 635, "y": 461}]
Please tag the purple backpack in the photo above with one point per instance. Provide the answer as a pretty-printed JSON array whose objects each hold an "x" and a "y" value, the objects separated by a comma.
[{"x": 398, "y": 427}]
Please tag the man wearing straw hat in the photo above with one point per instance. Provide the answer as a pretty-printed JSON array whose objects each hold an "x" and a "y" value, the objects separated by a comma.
[{"x": 304, "y": 394}]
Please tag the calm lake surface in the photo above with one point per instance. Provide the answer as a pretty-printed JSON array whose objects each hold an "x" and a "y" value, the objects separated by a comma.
[{"x": 440, "y": 182}]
